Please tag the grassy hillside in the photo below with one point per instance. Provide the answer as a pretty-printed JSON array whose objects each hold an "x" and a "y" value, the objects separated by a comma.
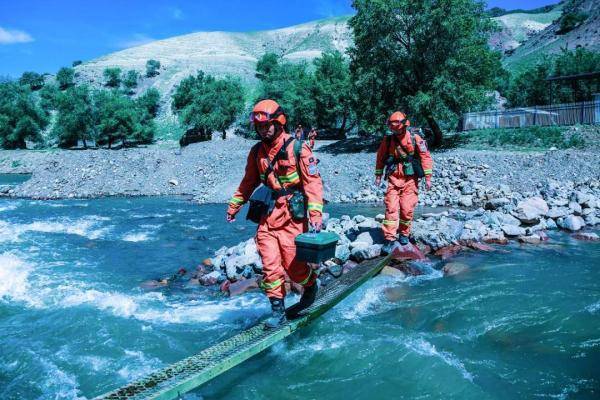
[{"x": 550, "y": 41}]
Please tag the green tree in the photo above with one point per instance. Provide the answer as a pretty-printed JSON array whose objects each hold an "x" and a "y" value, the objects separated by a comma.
[
  {"x": 75, "y": 120},
  {"x": 333, "y": 93},
  {"x": 21, "y": 118},
  {"x": 113, "y": 77},
  {"x": 49, "y": 97},
  {"x": 291, "y": 85},
  {"x": 65, "y": 77},
  {"x": 152, "y": 67},
  {"x": 76, "y": 63},
  {"x": 34, "y": 80},
  {"x": 119, "y": 118},
  {"x": 130, "y": 80},
  {"x": 149, "y": 101},
  {"x": 428, "y": 58},
  {"x": 205, "y": 104},
  {"x": 531, "y": 87}
]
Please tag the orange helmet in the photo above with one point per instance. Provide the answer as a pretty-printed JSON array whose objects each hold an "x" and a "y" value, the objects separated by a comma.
[
  {"x": 267, "y": 111},
  {"x": 398, "y": 118}
]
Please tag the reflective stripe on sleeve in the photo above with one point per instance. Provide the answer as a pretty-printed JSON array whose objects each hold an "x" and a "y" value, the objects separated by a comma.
[{"x": 315, "y": 206}]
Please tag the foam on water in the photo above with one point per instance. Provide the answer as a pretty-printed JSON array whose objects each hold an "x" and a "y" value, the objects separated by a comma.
[
  {"x": 137, "y": 365},
  {"x": 58, "y": 384},
  {"x": 14, "y": 285},
  {"x": 88, "y": 227},
  {"x": 137, "y": 237},
  {"x": 593, "y": 308},
  {"x": 423, "y": 347}
]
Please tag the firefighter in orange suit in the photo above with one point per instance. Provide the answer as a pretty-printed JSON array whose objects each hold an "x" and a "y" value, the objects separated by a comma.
[
  {"x": 273, "y": 163},
  {"x": 395, "y": 153}
]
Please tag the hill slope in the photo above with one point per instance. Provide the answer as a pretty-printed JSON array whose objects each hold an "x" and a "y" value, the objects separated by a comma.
[
  {"x": 548, "y": 41},
  {"x": 236, "y": 53}
]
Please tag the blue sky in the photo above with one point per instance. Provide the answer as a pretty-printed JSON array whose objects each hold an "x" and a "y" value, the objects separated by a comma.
[{"x": 43, "y": 35}]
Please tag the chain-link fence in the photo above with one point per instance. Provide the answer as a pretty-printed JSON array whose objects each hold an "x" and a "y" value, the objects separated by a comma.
[{"x": 586, "y": 112}]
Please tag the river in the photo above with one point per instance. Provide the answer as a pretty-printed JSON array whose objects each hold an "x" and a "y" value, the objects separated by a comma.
[{"x": 522, "y": 322}]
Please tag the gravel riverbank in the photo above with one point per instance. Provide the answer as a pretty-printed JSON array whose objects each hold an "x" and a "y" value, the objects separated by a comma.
[{"x": 210, "y": 172}]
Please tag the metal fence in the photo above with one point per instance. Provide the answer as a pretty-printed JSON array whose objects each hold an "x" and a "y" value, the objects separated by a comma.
[{"x": 586, "y": 112}]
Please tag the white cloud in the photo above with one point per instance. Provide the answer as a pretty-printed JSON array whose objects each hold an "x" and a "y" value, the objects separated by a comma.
[
  {"x": 14, "y": 36},
  {"x": 137, "y": 39},
  {"x": 176, "y": 13}
]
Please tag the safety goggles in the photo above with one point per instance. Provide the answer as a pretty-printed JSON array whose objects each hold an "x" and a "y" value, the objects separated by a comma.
[
  {"x": 262, "y": 116},
  {"x": 397, "y": 123}
]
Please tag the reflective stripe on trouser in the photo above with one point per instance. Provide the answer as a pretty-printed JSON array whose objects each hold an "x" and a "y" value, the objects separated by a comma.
[
  {"x": 400, "y": 201},
  {"x": 277, "y": 250}
]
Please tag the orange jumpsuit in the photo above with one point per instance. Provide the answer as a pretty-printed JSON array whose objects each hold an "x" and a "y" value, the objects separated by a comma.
[
  {"x": 402, "y": 192},
  {"x": 276, "y": 232}
]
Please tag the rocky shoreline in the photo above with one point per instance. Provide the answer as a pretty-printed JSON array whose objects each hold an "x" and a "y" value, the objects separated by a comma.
[
  {"x": 512, "y": 217},
  {"x": 209, "y": 172},
  {"x": 494, "y": 197}
]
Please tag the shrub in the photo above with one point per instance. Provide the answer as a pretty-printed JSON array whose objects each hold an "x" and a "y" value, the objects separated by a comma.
[{"x": 152, "y": 67}]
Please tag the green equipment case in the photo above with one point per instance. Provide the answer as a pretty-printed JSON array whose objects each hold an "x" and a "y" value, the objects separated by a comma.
[{"x": 315, "y": 247}]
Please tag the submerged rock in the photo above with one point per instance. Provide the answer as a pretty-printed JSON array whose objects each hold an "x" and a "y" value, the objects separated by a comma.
[
  {"x": 454, "y": 268},
  {"x": 587, "y": 236}
]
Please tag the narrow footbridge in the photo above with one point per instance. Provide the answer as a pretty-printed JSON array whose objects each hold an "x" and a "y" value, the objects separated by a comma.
[{"x": 188, "y": 374}]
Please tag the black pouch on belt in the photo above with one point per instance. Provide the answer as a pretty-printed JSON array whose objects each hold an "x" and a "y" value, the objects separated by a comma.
[
  {"x": 297, "y": 205},
  {"x": 261, "y": 204}
]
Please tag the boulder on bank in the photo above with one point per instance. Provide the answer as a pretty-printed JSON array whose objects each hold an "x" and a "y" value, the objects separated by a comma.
[
  {"x": 530, "y": 211},
  {"x": 572, "y": 223}
]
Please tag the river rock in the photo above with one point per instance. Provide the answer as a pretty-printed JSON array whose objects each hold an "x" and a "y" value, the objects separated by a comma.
[
  {"x": 550, "y": 224},
  {"x": 407, "y": 252},
  {"x": 174, "y": 182},
  {"x": 575, "y": 208},
  {"x": 571, "y": 223},
  {"x": 512, "y": 230},
  {"x": 592, "y": 220},
  {"x": 211, "y": 278},
  {"x": 529, "y": 211},
  {"x": 448, "y": 251},
  {"x": 532, "y": 239},
  {"x": 465, "y": 201},
  {"x": 364, "y": 237},
  {"x": 507, "y": 219},
  {"x": 587, "y": 236},
  {"x": 391, "y": 271},
  {"x": 454, "y": 268},
  {"x": 496, "y": 203},
  {"x": 365, "y": 253},
  {"x": 242, "y": 286},
  {"x": 342, "y": 252},
  {"x": 558, "y": 212}
]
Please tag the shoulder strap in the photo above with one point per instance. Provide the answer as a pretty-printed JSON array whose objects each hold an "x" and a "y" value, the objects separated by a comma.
[
  {"x": 297, "y": 152},
  {"x": 270, "y": 163}
]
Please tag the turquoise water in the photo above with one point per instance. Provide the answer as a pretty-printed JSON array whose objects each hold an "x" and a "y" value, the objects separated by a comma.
[{"x": 520, "y": 323}]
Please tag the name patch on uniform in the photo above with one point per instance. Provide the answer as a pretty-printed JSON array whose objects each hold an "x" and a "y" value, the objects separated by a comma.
[
  {"x": 422, "y": 146},
  {"x": 312, "y": 167}
]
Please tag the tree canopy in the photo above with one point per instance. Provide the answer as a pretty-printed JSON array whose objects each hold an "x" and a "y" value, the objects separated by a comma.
[
  {"x": 206, "y": 104},
  {"x": 21, "y": 118},
  {"x": 428, "y": 58}
]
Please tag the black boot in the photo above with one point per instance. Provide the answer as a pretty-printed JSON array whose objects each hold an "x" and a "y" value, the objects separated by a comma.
[
  {"x": 403, "y": 240},
  {"x": 389, "y": 246},
  {"x": 277, "y": 317},
  {"x": 308, "y": 297}
]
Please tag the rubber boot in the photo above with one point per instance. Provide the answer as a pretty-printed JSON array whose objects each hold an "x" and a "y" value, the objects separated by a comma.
[
  {"x": 277, "y": 317},
  {"x": 308, "y": 297},
  {"x": 403, "y": 240},
  {"x": 389, "y": 246}
]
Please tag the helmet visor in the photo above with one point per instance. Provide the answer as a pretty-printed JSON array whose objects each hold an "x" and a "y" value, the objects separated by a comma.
[
  {"x": 260, "y": 116},
  {"x": 396, "y": 123}
]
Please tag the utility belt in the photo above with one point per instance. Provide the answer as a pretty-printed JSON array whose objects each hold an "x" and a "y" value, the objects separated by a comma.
[
  {"x": 262, "y": 203},
  {"x": 411, "y": 166}
]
